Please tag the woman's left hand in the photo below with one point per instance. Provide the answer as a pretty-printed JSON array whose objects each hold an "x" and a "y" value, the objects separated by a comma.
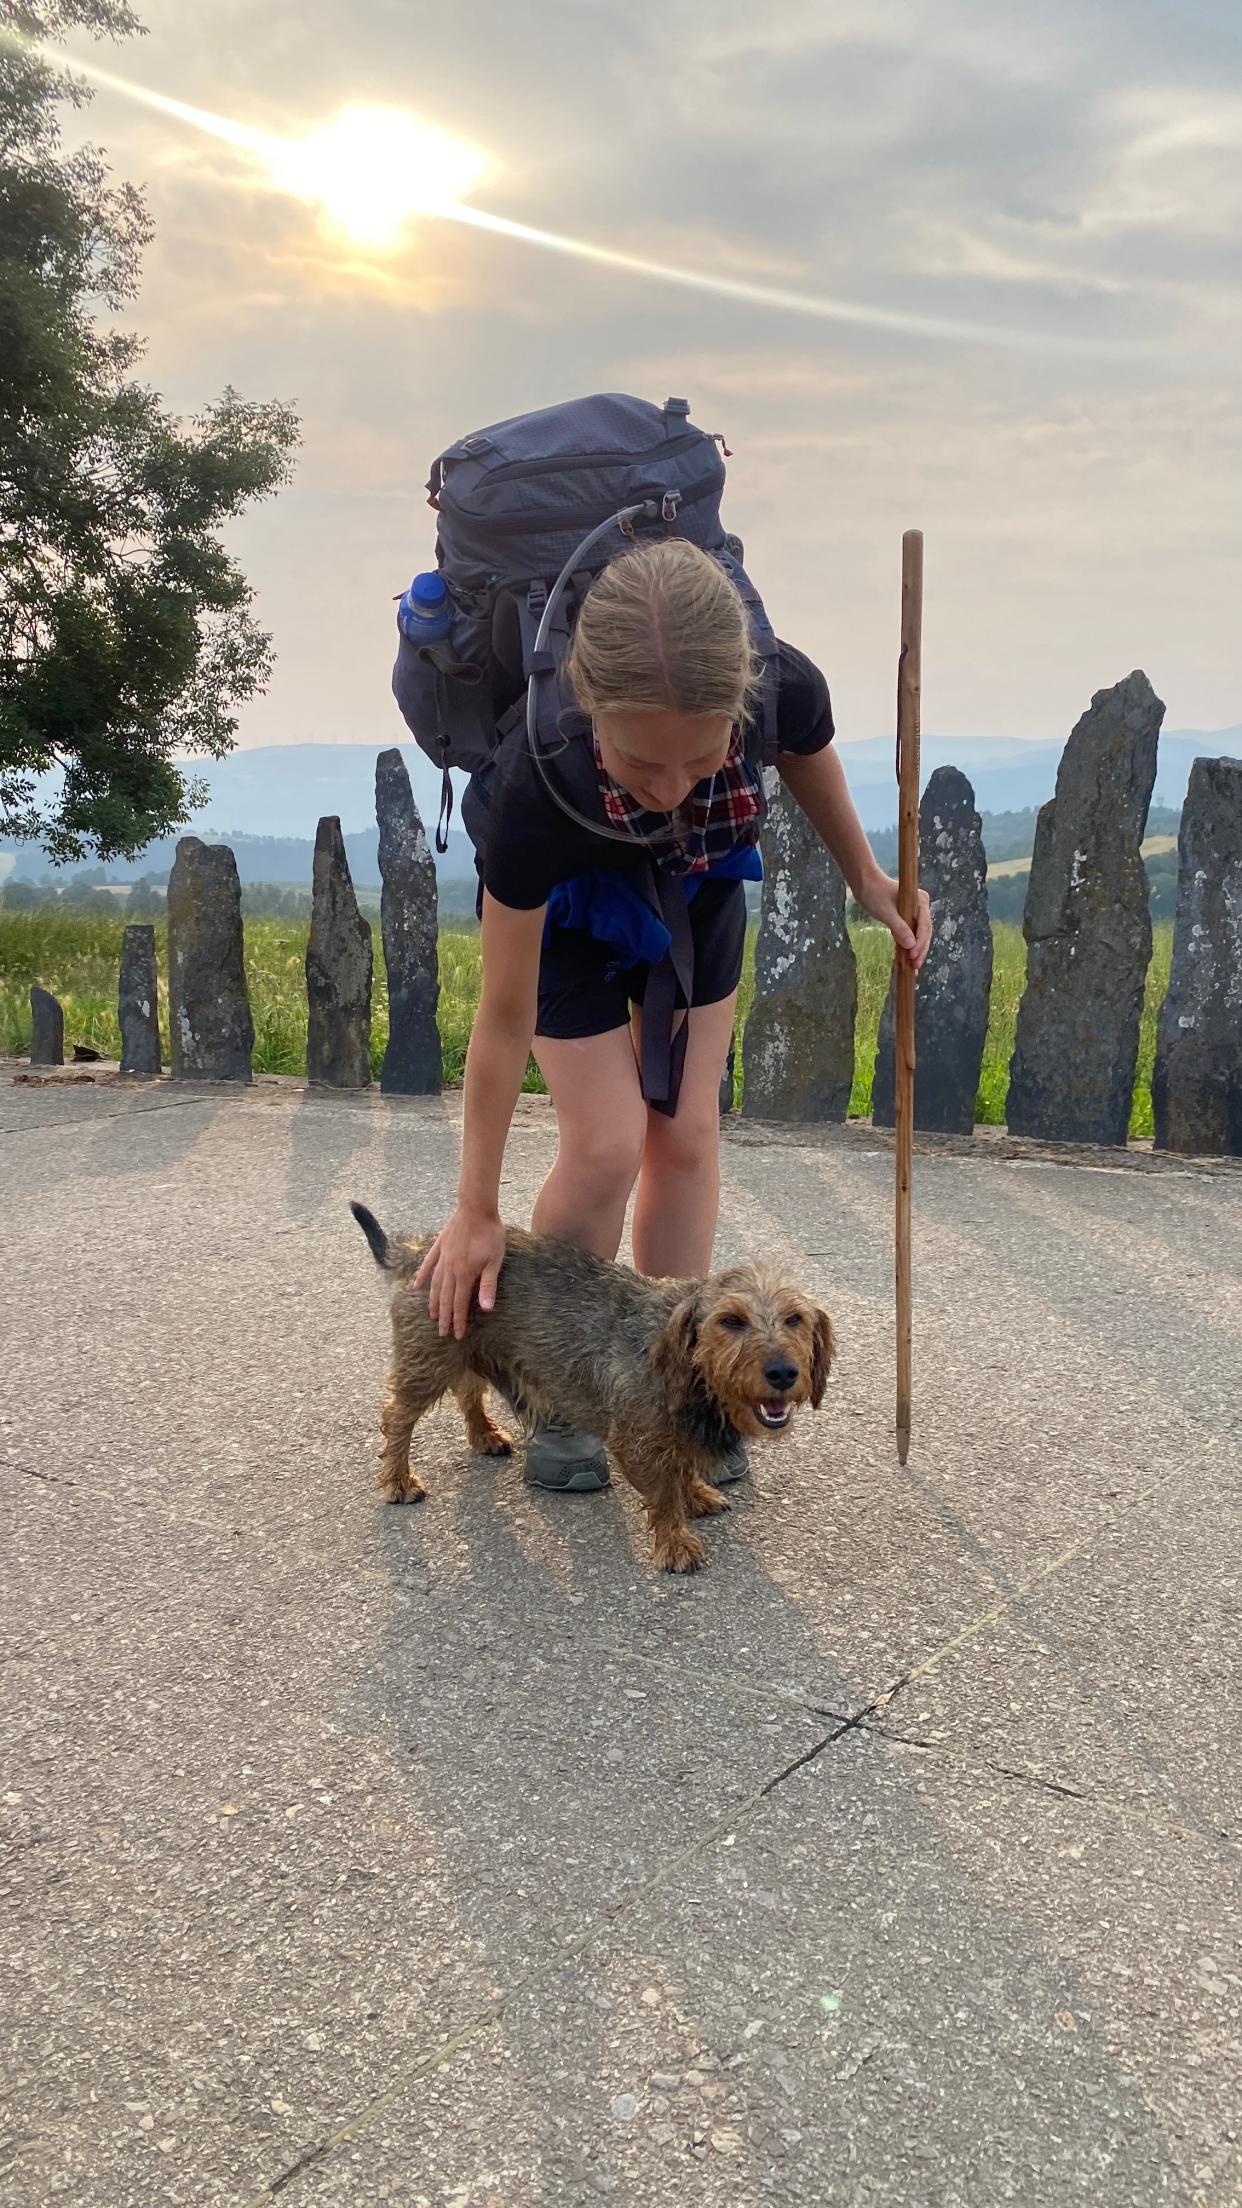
[{"x": 878, "y": 898}]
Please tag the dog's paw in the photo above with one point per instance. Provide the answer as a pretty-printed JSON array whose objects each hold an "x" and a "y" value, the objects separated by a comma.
[
  {"x": 495, "y": 1443},
  {"x": 409, "y": 1490},
  {"x": 703, "y": 1501},
  {"x": 681, "y": 1551}
]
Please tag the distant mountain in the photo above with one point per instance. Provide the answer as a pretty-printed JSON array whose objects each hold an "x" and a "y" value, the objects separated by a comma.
[
  {"x": 284, "y": 789},
  {"x": 281, "y": 789},
  {"x": 1009, "y": 776},
  {"x": 267, "y": 802},
  {"x": 283, "y": 859}
]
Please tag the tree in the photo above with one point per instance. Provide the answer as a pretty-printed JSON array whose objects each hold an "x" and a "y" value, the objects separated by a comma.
[{"x": 126, "y": 635}]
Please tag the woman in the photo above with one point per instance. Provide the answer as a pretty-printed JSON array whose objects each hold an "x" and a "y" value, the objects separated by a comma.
[{"x": 664, "y": 758}]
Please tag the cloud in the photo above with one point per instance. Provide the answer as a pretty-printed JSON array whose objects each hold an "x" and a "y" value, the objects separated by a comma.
[
  {"x": 1069, "y": 169},
  {"x": 944, "y": 248},
  {"x": 1175, "y": 167}
]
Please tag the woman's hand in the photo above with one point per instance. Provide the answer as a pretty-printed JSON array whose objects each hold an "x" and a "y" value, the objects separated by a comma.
[
  {"x": 467, "y": 1254},
  {"x": 878, "y": 897}
]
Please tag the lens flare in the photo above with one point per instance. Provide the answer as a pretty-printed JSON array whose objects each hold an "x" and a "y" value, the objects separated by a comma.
[{"x": 374, "y": 169}]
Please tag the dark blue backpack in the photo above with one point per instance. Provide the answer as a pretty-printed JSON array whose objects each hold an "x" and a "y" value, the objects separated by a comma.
[{"x": 529, "y": 511}]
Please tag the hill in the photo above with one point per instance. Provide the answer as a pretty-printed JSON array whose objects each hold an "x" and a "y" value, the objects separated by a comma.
[
  {"x": 1014, "y": 777},
  {"x": 281, "y": 789},
  {"x": 259, "y": 859},
  {"x": 267, "y": 802}
]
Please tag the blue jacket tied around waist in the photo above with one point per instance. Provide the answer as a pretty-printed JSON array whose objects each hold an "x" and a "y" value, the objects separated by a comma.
[{"x": 617, "y": 913}]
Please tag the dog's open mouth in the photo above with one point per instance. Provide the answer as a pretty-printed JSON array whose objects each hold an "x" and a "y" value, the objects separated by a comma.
[{"x": 775, "y": 1414}]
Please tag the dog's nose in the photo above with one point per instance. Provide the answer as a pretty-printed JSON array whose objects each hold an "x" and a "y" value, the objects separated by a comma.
[{"x": 780, "y": 1374}]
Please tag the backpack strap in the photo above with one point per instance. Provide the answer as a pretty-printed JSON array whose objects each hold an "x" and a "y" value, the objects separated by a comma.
[
  {"x": 443, "y": 740},
  {"x": 664, "y": 1053},
  {"x": 769, "y": 698}
]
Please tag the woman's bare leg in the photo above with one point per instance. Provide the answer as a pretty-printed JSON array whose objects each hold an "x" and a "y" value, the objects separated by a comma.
[
  {"x": 678, "y": 1197},
  {"x": 601, "y": 1122}
]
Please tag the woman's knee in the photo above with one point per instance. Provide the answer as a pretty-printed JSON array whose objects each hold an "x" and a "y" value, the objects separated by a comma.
[
  {"x": 604, "y": 1154},
  {"x": 689, "y": 1142}
]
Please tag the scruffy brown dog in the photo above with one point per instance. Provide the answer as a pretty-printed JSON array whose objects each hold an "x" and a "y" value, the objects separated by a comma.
[{"x": 662, "y": 1370}]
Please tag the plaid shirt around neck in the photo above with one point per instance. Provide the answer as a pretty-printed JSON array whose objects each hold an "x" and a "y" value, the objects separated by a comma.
[{"x": 719, "y": 815}]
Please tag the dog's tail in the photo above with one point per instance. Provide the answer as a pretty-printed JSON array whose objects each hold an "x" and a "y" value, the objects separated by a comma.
[{"x": 381, "y": 1247}]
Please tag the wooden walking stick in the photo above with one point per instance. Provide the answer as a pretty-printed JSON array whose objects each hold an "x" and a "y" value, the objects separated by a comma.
[{"x": 909, "y": 680}]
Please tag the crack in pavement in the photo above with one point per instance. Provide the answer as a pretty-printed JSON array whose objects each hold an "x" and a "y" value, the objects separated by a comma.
[
  {"x": 1159, "y": 1820},
  {"x": 1014, "y": 1604},
  {"x": 870, "y": 1721},
  {"x": 101, "y": 1119}
]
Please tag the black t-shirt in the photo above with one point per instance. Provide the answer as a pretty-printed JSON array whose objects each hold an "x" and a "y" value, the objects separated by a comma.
[{"x": 525, "y": 843}]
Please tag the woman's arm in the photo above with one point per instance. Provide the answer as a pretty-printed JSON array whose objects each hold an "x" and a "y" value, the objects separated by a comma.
[
  {"x": 817, "y": 782},
  {"x": 470, "y": 1248}
]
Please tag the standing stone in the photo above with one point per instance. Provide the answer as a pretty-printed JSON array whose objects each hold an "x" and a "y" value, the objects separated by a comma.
[
  {"x": 954, "y": 988},
  {"x": 798, "y": 1050},
  {"x": 139, "y": 1002},
  {"x": 1088, "y": 932},
  {"x": 210, "y": 1029},
  {"x": 338, "y": 972},
  {"x": 1197, "y": 1088},
  {"x": 413, "y": 1065},
  {"x": 47, "y": 1044}
]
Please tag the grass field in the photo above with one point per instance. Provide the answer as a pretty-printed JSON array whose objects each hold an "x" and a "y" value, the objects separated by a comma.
[
  {"x": 1154, "y": 848},
  {"x": 77, "y": 956}
]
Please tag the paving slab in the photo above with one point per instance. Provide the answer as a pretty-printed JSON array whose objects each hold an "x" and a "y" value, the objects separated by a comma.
[
  {"x": 258, "y": 1814},
  {"x": 1117, "y": 1672},
  {"x": 891, "y": 1981},
  {"x": 310, "y": 1802}
]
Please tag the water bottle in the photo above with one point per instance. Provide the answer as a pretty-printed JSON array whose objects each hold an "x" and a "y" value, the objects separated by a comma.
[{"x": 425, "y": 614}]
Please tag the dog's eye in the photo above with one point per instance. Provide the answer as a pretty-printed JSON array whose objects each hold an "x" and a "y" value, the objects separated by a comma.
[
  {"x": 734, "y": 1321},
  {"x": 794, "y": 1318}
]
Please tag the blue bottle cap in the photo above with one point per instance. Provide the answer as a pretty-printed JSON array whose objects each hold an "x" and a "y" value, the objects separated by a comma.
[{"x": 428, "y": 590}]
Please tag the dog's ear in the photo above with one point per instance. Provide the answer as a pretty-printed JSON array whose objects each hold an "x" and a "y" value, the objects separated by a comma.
[
  {"x": 672, "y": 1352},
  {"x": 823, "y": 1350}
]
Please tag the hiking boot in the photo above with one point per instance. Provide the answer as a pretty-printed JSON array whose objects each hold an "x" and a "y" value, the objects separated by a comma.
[
  {"x": 560, "y": 1458},
  {"x": 733, "y": 1466}
]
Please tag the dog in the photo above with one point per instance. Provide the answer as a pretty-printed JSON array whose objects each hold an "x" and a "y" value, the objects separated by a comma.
[{"x": 665, "y": 1371}]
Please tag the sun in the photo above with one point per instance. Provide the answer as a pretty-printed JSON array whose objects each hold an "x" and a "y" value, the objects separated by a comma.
[{"x": 373, "y": 168}]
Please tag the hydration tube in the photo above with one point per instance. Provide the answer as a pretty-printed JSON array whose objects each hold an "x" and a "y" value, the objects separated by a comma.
[{"x": 623, "y": 519}]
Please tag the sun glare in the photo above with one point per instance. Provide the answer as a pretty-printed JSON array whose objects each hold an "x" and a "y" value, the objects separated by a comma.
[{"x": 373, "y": 168}]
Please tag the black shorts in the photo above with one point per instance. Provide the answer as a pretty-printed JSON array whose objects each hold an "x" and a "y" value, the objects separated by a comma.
[{"x": 581, "y": 994}]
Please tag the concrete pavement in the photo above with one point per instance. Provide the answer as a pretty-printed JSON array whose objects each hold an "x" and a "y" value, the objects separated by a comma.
[{"x": 450, "y": 1856}]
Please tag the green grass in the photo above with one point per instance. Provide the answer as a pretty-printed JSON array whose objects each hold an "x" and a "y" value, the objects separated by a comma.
[{"x": 76, "y": 956}]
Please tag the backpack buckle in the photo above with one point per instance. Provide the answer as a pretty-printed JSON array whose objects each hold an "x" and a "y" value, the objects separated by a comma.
[{"x": 537, "y": 597}]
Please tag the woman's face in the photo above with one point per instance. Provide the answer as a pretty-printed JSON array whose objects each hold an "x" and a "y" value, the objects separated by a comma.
[{"x": 658, "y": 757}]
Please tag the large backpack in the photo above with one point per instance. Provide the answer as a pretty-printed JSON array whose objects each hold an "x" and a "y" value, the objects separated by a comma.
[{"x": 529, "y": 512}]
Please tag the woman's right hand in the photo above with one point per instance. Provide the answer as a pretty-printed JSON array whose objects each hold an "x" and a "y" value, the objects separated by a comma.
[{"x": 467, "y": 1254}]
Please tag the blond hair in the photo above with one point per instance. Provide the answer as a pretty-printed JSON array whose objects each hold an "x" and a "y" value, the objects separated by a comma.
[{"x": 663, "y": 629}]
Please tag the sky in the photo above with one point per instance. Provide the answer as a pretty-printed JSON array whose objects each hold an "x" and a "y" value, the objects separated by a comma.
[{"x": 1059, "y": 183}]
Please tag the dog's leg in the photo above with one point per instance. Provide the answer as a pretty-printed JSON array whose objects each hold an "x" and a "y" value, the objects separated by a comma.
[
  {"x": 424, "y": 1366},
  {"x": 403, "y": 1407},
  {"x": 700, "y": 1498},
  {"x": 659, "y": 1473},
  {"x": 485, "y": 1437}
]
